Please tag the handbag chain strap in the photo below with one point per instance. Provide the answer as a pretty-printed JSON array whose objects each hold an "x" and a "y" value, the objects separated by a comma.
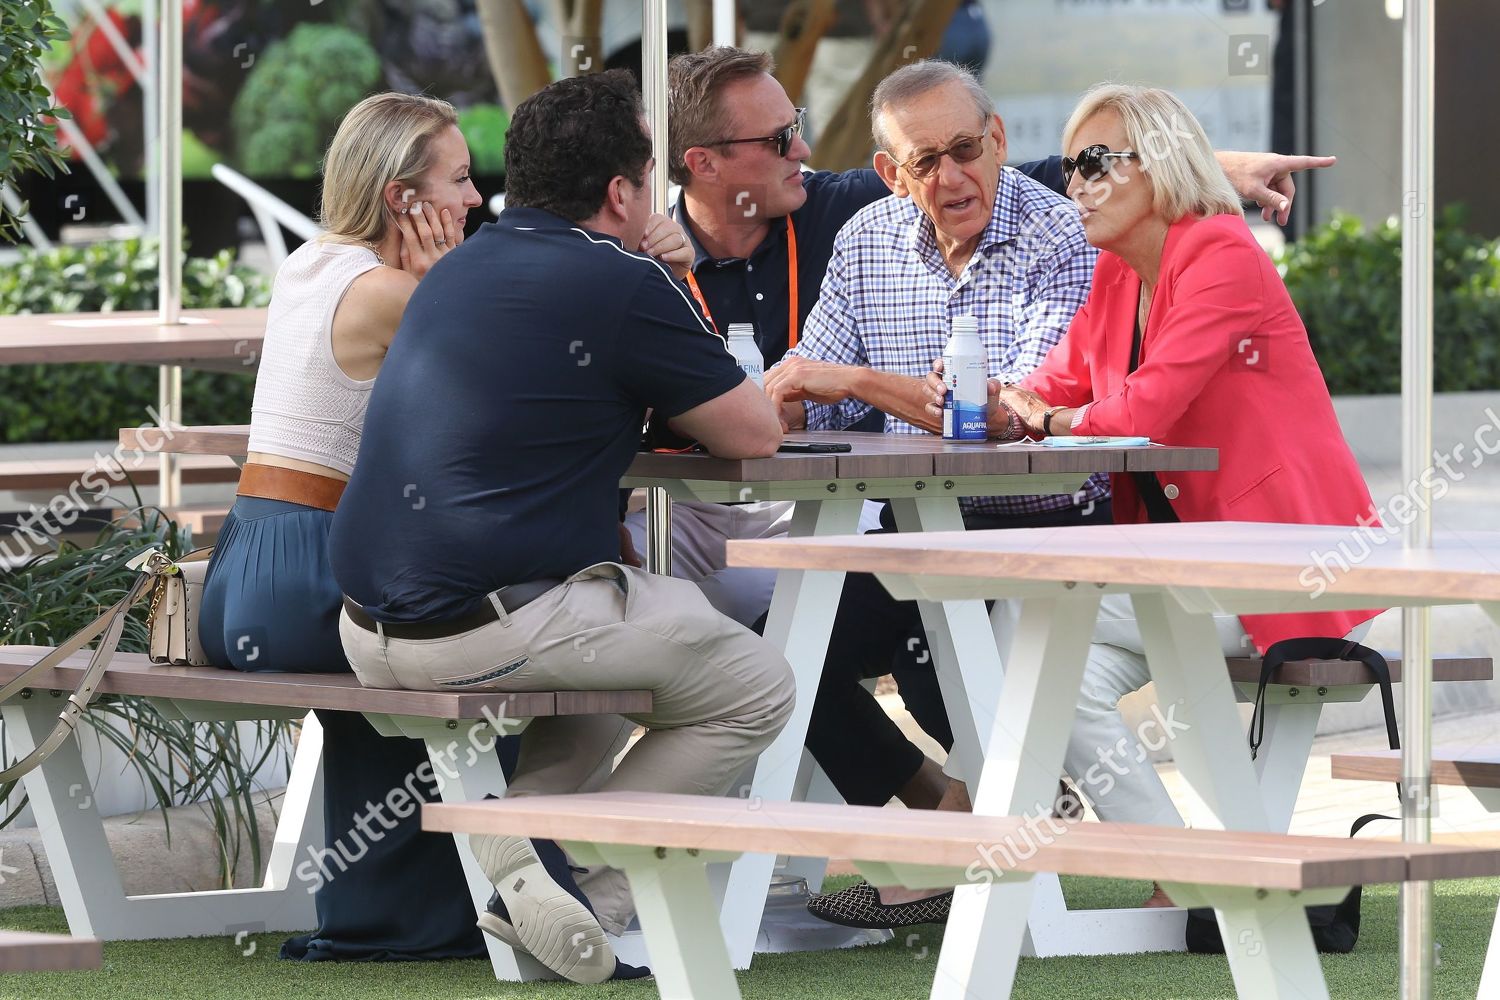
[{"x": 153, "y": 565}]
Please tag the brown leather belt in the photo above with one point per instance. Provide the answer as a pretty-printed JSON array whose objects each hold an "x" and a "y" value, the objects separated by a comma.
[
  {"x": 512, "y": 598},
  {"x": 272, "y": 482}
]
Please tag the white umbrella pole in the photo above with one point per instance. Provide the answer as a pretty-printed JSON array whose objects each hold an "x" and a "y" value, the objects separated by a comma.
[
  {"x": 723, "y": 22},
  {"x": 1416, "y": 404},
  {"x": 169, "y": 208},
  {"x": 654, "y": 89}
]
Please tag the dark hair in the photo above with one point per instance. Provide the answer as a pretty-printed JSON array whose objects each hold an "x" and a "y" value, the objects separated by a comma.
[
  {"x": 694, "y": 82},
  {"x": 570, "y": 139}
]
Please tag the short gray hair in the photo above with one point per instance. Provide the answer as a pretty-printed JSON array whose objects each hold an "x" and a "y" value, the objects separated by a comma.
[
  {"x": 1175, "y": 152},
  {"x": 911, "y": 82}
]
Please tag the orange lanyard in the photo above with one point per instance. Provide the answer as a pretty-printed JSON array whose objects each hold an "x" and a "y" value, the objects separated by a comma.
[{"x": 791, "y": 284}]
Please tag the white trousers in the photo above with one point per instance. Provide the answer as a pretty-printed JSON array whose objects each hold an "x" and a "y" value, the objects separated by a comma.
[{"x": 1108, "y": 761}]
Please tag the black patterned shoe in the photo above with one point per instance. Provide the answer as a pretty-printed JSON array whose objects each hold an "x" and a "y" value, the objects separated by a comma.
[{"x": 860, "y": 906}]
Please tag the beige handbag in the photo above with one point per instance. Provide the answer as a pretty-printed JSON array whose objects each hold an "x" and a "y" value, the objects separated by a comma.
[
  {"x": 176, "y": 597},
  {"x": 174, "y": 589}
]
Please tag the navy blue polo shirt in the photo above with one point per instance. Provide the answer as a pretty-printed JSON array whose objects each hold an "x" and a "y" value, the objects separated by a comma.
[
  {"x": 506, "y": 412},
  {"x": 754, "y": 289}
]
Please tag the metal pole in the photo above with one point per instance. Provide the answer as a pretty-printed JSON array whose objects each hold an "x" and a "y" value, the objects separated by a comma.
[
  {"x": 1416, "y": 457},
  {"x": 1304, "y": 206},
  {"x": 724, "y": 22},
  {"x": 169, "y": 178},
  {"x": 150, "y": 111},
  {"x": 654, "y": 89}
]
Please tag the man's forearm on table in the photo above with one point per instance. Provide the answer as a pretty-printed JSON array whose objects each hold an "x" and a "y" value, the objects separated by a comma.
[{"x": 901, "y": 396}]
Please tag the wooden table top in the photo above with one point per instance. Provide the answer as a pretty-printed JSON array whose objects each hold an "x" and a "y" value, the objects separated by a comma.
[
  {"x": 1469, "y": 767},
  {"x": 1230, "y": 555},
  {"x": 872, "y": 456},
  {"x": 133, "y": 337},
  {"x": 24, "y": 951}
]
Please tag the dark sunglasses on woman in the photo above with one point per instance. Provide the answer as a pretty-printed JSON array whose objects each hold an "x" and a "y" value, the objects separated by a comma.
[{"x": 1093, "y": 162}]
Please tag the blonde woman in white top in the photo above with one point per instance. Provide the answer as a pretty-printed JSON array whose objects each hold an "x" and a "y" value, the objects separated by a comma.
[{"x": 396, "y": 196}]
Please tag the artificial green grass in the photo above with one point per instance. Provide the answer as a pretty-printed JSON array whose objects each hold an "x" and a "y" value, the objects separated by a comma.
[{"x": 210, "y": 969}]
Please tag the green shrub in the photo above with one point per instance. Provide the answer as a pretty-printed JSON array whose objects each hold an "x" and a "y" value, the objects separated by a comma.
[
  {"x": 1346, "y": 282},
  {"x": 484, "y": 127},
  {"x": 87, "y": 402},
  {"x": 27, "y": 142},
  {"x": 295, "y": 96}
]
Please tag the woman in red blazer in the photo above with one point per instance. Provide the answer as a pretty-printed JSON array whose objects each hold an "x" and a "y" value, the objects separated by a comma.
[
  {"x": 1188, "y": 337},
  {"x": 1223, "y": 359}
]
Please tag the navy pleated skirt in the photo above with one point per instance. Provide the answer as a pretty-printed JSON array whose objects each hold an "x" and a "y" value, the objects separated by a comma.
[{"x": 270, "y": 603}]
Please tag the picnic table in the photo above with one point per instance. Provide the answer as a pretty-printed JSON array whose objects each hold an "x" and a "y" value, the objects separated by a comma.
[
  {"x": 212, "y": 339},
  {"x": 227, "y": 340},
  {"x": 1178, "y": 576},
  {"x": 923, "y": 477}
]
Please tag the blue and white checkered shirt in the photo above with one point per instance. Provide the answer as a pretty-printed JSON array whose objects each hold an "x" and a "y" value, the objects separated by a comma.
[{"x": 888, "y": 302}]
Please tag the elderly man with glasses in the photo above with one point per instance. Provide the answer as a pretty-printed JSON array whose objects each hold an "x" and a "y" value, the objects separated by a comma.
[{"x": 964, "y": 235}]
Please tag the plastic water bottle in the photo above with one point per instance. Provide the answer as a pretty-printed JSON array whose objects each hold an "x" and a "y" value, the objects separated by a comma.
[
  {"x": 966, "y": 406},
  {"x": 746, "y": 352}
]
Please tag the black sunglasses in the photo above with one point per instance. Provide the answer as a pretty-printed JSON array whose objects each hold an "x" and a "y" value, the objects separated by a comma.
[
  {"x": 964, "y": 149},
  {"x": 1092, "y": 162},
  {"x": 783, "y": 138}
]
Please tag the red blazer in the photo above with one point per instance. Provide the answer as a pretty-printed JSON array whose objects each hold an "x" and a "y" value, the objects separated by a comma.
[{"x": 1225, "y": 363}]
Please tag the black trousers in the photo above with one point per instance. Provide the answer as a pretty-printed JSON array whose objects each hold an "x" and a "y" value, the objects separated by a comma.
[{"x": 863, "y": 751}]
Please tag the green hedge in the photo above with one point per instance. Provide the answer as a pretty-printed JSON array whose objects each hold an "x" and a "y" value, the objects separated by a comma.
[
  {"x": 1346, "y": 282},
  {"x": 87, "y": 402}
]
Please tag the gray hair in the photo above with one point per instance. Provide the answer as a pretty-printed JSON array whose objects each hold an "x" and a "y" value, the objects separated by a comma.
[
  {"x": 911, "y": 82},
  {"x": 1174, "y": 149}
]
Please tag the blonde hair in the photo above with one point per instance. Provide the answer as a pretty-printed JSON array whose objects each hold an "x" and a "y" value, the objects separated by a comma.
[
  {"x": 385, "y": 137},
  {"x": 1174, "y": 150}
]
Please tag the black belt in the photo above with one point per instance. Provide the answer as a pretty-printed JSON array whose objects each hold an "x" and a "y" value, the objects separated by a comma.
[{"x": 512, "y": 599}]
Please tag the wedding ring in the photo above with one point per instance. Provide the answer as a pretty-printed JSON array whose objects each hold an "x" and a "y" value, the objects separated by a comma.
[{"x": 440, "y": 242}]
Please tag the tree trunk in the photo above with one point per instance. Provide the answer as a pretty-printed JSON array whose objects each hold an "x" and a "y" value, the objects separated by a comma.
[
  {"x": 802, "y": 26},
  {"x": 583, "y": 39},
  {"x": 846, "y": 143},
  {"x": 514, "y": 54}
]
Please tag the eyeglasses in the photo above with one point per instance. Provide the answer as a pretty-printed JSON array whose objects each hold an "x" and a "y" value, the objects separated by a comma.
[
  {"x": 782, "y": 138},
  {"x": 1092, "y": 163},
  {"x": 964, "y": 149}
]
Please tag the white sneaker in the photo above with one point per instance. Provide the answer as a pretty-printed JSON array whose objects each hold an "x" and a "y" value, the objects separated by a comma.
[{"x": 547, "y": 920}]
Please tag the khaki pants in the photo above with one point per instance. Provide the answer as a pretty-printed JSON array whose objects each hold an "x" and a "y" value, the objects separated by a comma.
[{"x": 720, "y": 692}]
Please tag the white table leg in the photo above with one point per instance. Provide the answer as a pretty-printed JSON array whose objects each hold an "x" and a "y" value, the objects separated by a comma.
[
  {"x": 799, "y": 624},
  {"x": 88, "y": 882},
  {"x": 813, "y": 785},
  {"x": 1282, "y": 760},
  {"x": 1266, "y": 938},
  {"x": 466, "y": 769},
  {"x": 677, "y": 907},
  {"x": 962, "y": 641},
  {"x": 1193, "y": 688},
  {"x": 1489, "y": 980},
  {"x": 1024, "y": 754}
]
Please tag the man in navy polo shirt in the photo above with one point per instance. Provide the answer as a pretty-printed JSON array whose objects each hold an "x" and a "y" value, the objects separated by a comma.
[{"x": 478, "y": 539}]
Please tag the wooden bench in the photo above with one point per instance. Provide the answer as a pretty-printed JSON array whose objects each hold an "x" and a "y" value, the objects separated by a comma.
[
  {"x": 1258, "y": 882},
  {"x": 1294, "y": 702},
  {"x": 60, "y": 474},
  {"x": 458, "y": 729},
  {"x": 1474, "y": 768},
  {"x": 23, "y": 951}
]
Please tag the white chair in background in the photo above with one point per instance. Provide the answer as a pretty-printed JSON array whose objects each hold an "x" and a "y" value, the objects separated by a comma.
[{"x": 271, "y": 213}]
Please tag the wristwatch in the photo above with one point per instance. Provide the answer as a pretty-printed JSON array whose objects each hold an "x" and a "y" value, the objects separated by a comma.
[{"x": 1047, "y": 419}]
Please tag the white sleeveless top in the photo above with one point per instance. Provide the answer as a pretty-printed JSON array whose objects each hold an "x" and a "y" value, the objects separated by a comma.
[{"x": 305, "y": 406}]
